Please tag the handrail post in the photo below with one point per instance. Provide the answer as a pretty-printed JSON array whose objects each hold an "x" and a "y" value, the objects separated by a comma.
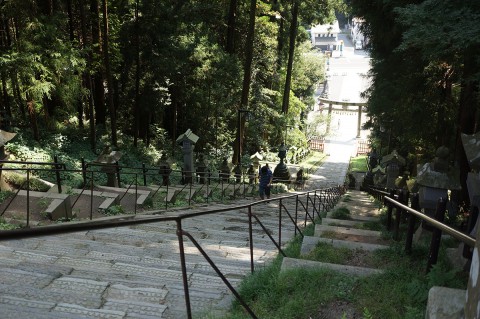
[
  {"x": 398, "y": 215},
  {"x": 117, "y": 168},
  {"x": 84, "y": 172},
  {"x": 389, "y": 211},
  {"x": 136, "y": 192},
  {"x": 250, "y": 237},
  {"x": 184, "y": 268},
  {"x": 280, "y": 223},
  {"x": 57, "y": 174},
  {"x": 415, "y": 204},
  {"x": 436, "y": 234},
  {"x": 296, "y": 214},
  {"x": 28, "y": 197},
  {"x": 166, "y": 198},
  {"x": 306, "y": 210},
  {"x": 91, "y": 196},
  {"x": 144, "y": 170}
]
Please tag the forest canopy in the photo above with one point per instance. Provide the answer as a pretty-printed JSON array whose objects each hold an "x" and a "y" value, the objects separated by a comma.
[{"x": 148, "y": 70}]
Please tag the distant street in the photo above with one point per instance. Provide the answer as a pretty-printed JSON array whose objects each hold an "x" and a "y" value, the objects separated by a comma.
[{"x": 346, "y": 80}]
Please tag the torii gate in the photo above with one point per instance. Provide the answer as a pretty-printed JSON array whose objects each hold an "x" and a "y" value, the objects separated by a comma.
[{"x": 345, "y": 103}]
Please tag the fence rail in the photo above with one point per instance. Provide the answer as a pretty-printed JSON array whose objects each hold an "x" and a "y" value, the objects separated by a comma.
[
  {"x": 319, "y": 200},
  {"x": 398, "y": 201}
]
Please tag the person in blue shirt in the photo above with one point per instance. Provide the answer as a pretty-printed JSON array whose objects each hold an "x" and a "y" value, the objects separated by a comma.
[{"x": 266, "y": 177}]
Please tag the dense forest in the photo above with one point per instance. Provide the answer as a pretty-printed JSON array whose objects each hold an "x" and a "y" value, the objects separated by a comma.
[
  {"x": 145, "y": 71},
  {"x": 425, "y": 76}
]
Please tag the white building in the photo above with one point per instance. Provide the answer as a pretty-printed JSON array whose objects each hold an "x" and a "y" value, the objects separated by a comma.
[
  {"x": 325, "y": 36},
  {"x": 358, "y": 38}
]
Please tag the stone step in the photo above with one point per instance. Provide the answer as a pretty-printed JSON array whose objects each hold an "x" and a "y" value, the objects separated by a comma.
[
  {"x": 134, "y": 272},
  {"x": 54, "y": 296},
  {"x": 357, "y": 217},
  {"x": 341, "y": 222},
  {"x": 320, "y": 229},
  {"x": 309, "y": 243},
  {"x": 292, "y": 263},
  {"x": 19, "y": 308}
]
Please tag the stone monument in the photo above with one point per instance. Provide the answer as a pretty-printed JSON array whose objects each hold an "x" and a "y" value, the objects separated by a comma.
[
  {"x": 392, "y": 163},
  {"x": 109, "y": 159},
  {"x": 201, "y": 168},
  {"x": 224, "y": 170},
  {"x": 281, "y": 172},
  {"x": 164, "y": 169},
  {"x": 256, "y": 158},
  {"x": 4, "y": 138},
  {"x": 187, "y": 140}
]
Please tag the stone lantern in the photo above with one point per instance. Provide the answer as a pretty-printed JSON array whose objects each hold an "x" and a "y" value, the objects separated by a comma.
[
  {"x": 164, "y": 169},
  {"x": 378, "y": 176},
  {"x": 392, "y": 163},
  {"x": 202, "y": 170},
  {"x": 281, "y": 172},
  {"x": 109, "y": 160},
  {"x": 4, "y": 138},
  {"x": 434, "y": 180},
  {"x": 256, "y": 158},
  {"x": 471, "y": 144},
  {"x": 187, "y": 140}
]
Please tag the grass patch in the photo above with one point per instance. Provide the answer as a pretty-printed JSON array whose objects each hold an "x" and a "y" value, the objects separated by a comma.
[
  {"x": 341, "y": 213},
  {"x": 358, "y": 164},
  {"x": 7, "y": 226},
  {"x": 313, "y": 161},
  {"x": 402, "y": 288},
  {"x": 114, "y": 210}
]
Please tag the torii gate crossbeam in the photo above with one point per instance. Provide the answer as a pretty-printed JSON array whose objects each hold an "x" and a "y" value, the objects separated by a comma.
[{"x": 345, "y": 103}]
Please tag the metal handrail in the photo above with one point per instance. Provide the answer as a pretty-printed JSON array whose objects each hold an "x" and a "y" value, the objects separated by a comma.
[
  {"x": 470, "y": 241},
  {"x": 138, "y": 219}
]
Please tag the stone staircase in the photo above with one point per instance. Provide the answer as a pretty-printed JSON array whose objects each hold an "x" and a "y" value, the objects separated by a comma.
[
  {"x": 134, "y": 272},
  {"x": 344, "y": 233}
]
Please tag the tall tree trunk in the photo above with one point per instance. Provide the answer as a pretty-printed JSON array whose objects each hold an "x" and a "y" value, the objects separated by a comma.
[
  {"x": 70, "y": 20},
  {"x": 33, "y": 118},
  {"x": 87, "y": 79},
  {"x": 98, "y": 89},
  {"x": 232, "y": 14},
  {"x": 291, "y": 52},
  {"x": 137, "y": 78},
  {"x": 247, "y": 74},
  {"x": 469, "y": 103},
  {"x": 6, "y": 103},
  {"x": 17, "y": 96},
  {"x": 108, "y": 73}
]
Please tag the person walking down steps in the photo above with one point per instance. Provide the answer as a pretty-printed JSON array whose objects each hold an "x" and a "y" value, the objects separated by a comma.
[{"x": 265, "y": 182}]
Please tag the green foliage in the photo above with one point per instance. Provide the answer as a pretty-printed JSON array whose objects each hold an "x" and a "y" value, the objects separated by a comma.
[
  {"x": 341, "y": 213},
  {"x": 4, "y": 195},
  {"x": 114, "y": 210},
  {"x": 20, "y": 181},
  {"x": 6, "y": 226},
  {"x": 358, "y": 164}
]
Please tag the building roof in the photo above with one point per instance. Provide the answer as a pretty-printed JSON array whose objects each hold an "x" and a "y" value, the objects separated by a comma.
[{"x": 326, "y": 28}]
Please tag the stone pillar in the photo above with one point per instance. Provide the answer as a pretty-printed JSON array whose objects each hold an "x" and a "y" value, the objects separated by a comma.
[
  {"x": 472, "y": 300},
  {"x": 359, "y": 123},
  {"x": 256, "y": 158},
  {"x": 4, "y": 138},
  {"x": 109, "y": 160},
  {"x": 201, "y": 169},
  {"x": 187, "y": 140}
]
